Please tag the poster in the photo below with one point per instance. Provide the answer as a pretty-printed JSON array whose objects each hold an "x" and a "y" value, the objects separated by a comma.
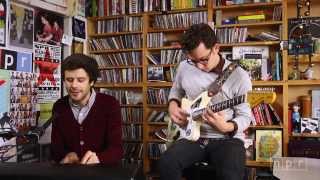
[
  {"x": 3, "y": 22},
  {"x": 4, "y": 100},
  {"x": 21, "y": 24},
  {"x": 46, "y": 64},
  {"x": 16, "y": 61},
  {"x": 48, "y": 27},
  {"x": 23, "y": 100},
  {"x": 79, "y": 28}
]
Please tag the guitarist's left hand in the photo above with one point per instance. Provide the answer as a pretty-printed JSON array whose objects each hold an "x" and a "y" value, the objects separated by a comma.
[{"x": 216, "y": 120}]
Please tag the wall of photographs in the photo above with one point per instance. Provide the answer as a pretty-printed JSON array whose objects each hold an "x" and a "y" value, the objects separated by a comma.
[{"x": 31, "y": 43}]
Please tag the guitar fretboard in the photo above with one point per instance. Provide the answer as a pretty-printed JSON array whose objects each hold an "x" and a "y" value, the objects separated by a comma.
[{"x": 220, "y": 106}]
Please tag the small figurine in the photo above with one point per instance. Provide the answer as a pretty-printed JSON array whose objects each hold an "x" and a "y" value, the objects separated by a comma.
[
  {"x": 296, "y": 117},
  {"x": 308, "y": 74}
]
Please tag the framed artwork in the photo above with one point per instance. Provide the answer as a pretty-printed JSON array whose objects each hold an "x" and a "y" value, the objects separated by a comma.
[
  {"x": 79, "y": 28},
  {"x": 268, "y": 145},
  {"x": 21, "y": 24},
  {"x": 77, "y": 47},
  {"x": 48, "y": 27},
  {"x": 3, "y": 22}
]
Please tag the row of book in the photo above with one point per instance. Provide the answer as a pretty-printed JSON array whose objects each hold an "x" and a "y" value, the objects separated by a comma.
[
  {"x": 277, "y": 13},
  {"x": 127, "y": 75},
  {"x": 155, "y": 40},
  {"x": 256, "y": 61},
  {"x": 264, "y": 114},
  {"x": 133, "y": 150},
  {"x": 117, "y": 7},
  {"x": 121, "y": 24},
  {"x": 232, "y": 35},
  {"x": 133, "y": 58},
  {"x": 158, "y": 96},
  {"x": 132, "y": 132},
  {"x": 167, "y": 5},
  {"x": 157, "y": 116},
  {"x": 128, "y": 41},
  {"x": 232, "y": 2},
  {"x": 179, "y": 20},
  {"x": 156, "y": 149},
  {"x": 171, "y": 56},
  {"x": 127, "y": 162},
  {"x": 131, "y": 115},
  {"x": 160, "y": 73},
  {"x": 132, "y": 97},
  {"x": 267, "y": 14}
]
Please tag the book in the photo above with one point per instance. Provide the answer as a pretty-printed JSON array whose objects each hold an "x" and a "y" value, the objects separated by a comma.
[
  {"x": 152, "y": 115},
  {"x": 155, "y": 59},
  {"x": 253, "y": 67},
  {"x": 309, "y": 125},
  {"x": 240, "y": 52},
  {"x": 316, "y": 103},
  {"x": 161, "y": 134},
  {"x": 268, "y": 145},
  {"x": 274, "y": 115},
  {"x": 252, "y": 17},
  {"x": 155, "y": 73}
]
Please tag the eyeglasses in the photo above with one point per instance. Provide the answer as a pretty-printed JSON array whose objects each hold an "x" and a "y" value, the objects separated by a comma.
[{"x": 202, "y": 61}]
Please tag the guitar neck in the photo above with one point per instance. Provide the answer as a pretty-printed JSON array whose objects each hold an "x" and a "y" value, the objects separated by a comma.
[{"x": 221, "y": 106}]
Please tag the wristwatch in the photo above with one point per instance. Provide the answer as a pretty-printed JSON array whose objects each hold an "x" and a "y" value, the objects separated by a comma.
[{"x": 235, "y": 129}]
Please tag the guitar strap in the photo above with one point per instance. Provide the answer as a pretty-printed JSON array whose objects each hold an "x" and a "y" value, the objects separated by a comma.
[
  {"x": 215, "y": 87},
  {"x": 173, "y": 130}
]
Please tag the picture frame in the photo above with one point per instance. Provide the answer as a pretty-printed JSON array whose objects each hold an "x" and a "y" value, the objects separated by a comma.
[
  {"x": 155, "y": 73},
  {"x": 268, "y": 145},
  {"x": 79, "y": 28}
]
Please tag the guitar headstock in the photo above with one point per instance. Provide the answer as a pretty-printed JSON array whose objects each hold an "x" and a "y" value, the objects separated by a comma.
[{"x": 256, "y": 97}]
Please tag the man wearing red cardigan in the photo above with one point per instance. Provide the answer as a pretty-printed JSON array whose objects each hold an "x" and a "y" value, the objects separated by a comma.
[{"x": 87, "y": 125}]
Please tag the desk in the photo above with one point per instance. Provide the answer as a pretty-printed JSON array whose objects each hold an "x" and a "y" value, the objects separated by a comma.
[{"x": 47, "y": 171}]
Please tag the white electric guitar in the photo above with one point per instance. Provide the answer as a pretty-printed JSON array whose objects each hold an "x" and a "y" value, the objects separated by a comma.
[{"x": 196, "y": 108}]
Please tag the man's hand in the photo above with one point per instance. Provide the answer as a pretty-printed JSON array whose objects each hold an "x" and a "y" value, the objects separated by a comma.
[
  {"x": 217, "y": 121},
  {"x": 90, "y": 158},
  {"x": 70, "y": 158},
  {"x": 177, "y": 115}
]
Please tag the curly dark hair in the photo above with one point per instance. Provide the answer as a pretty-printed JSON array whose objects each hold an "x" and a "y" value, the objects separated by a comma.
[
  {"x": 77, "y": 61},
  {"x": 196, "y": 34}
]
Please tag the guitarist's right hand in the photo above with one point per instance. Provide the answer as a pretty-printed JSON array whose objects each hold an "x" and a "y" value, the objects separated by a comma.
[{"x": 177, "y": 114}]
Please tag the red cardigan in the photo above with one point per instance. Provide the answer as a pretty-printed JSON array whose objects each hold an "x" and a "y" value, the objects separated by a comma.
[{"x": 100, "y": 131}]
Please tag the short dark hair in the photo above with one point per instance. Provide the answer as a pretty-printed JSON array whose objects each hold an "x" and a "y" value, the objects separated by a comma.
[
  {"x": 196, "y": 34},
  {"x": 77, "y": 61}
]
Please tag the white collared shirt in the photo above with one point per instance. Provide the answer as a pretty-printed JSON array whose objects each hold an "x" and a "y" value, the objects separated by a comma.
[{"x": 81, "y": 112}]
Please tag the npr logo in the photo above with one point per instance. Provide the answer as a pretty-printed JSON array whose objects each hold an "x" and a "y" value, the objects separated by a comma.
[
  {"x": 17, "y": 61},
  {"x": 290, "y": 164}
]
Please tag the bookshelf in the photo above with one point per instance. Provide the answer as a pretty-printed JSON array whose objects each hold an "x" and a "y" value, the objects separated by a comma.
[
  {"x": 278, "y": 24},
  {"x": 165, "y": 38}
]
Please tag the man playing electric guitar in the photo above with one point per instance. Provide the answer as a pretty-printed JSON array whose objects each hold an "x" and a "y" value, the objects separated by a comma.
[{"x": 221, "y": 133}]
